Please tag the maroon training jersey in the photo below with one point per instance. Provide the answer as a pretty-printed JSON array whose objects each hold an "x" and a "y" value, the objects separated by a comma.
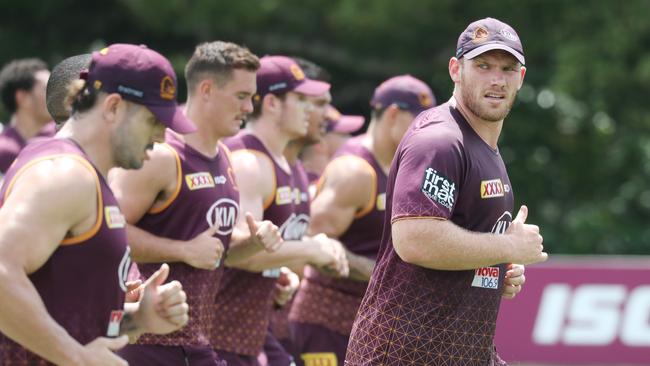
[
  {"x": 244, "y": 299},
  {"x": 99, "y": 256},
  {"x": 206, "y": 195},
  {"x": 11, "y": 142},
  {"x": 412, "y": 315},
  {"x": 331, "y": 302}
]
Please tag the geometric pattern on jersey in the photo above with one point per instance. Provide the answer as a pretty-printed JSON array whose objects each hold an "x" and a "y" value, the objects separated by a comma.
[{"x": 411, "y": 315}]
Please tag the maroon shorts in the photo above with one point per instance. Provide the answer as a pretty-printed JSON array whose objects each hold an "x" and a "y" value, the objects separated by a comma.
[
  {"x": 316, "y": 345},
  {"x": 274, "y": 353},
  {"x": 152, "y": 355}
]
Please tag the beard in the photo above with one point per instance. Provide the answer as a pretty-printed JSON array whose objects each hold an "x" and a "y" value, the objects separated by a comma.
[{"x": 473, "y": 103}]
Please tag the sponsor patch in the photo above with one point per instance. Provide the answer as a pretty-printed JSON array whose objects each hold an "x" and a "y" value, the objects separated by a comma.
[
  {"x": 381, "y": 202},
  {"x": 199, "y": 180},
  {"x": 220, "y": 179},
  {"x": 439, "y": 188},
  {"x": 223, "y": 214},
  {"x": 319, "y": 359},
  {"x": 271, "y": 273},
  {"x": 114, "y": 217},
  {"x": 283, "y": 195},
  {"x": 509, "y": 35},
  {"x": 486, "y": 277},
  {"x": 114, "y": 323},
  {"x": 492, "y": 188}
]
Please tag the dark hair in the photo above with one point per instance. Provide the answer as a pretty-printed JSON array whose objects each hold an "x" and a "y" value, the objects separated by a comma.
[
  {"x": 63, "y": 74},
  {"x": 312, "y": 70},
  {"x": 18, "y": 75},
  {"x": 80, "y": 97},
  {"x": 218, "y": 59},
  {"x": 257, "y": 103}
]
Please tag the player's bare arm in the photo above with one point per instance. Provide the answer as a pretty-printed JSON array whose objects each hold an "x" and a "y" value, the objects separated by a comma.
[
  {"x": 455, "y": 248},
  {"x": 344, "y": 192},
  {"x": 59, "y": 198},
  {"x": 255, "y": 189},
  {"x": 150, "y": 187}
]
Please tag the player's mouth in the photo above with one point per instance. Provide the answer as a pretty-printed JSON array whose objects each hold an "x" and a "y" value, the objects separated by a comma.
[{"x": 495, "y": 96}]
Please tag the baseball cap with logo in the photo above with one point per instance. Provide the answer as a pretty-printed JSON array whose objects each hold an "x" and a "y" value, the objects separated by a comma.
[
  {"x": 142, "y": 76},
  {"x": 345, "y": 124},
  {"x": 486, "y": 35},
  {"x": 280, "y": 74},
  {"x": 405, "y": 91}
]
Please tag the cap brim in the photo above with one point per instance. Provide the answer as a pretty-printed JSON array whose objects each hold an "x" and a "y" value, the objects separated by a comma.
[
  {"x": 495, "y": 46},
  {"x": 173, "y": 117},
  {"x": 348, "y": 124},
  {"x": 313, "y": 88}
]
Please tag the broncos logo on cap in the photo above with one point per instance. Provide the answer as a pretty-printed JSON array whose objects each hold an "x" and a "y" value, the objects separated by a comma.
[
  {"x": 297, "y": 72},
  {"x": 480, "y": 35},
  {"x": 167, "y": 88},
  {"x": 425, "y": 100}
]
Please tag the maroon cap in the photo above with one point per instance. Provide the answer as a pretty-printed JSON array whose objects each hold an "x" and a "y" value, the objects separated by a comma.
[
  {"x": 140, "y": 75},
  {"x": 407, "y": 92},
  {"x": 486, "y": 35},
  {"x": 281, "y": 74},
  {"x": 337, "y": 122}
]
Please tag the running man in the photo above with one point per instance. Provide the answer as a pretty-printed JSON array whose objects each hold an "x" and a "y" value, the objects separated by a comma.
[
  {"x": 183, "y": 205},
  {"x": 270, "y": 190},
  {"x": 350, "y": 206},
  {"x": 63, "y": 249},
  {"x": 449, "y": 231}
]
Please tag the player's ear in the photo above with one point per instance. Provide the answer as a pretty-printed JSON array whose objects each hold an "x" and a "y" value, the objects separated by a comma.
[
  {"x": 111, "y": 107},
  {"x": 523, "y": 73},
  {"x": 455, "y": 66}
]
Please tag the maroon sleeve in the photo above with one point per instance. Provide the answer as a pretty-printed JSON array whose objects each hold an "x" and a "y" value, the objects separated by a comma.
[{"x": 430, "y": 169}]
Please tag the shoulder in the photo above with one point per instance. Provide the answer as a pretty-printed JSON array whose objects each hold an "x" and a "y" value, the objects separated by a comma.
[
  {"x": 348, "y": 169},
  {"x": 69, "y": 180}
]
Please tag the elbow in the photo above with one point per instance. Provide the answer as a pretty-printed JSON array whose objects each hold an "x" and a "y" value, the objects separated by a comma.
[{"x": 406, "y": 249}]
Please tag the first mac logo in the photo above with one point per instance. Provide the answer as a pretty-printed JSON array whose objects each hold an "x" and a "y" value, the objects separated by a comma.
[{"x": 438, "y": 188}]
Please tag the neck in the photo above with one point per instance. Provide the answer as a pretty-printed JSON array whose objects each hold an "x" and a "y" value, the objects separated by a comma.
[
  {"x": 380, "y": 145},
  {"x": 94, "y": 142},
  {"x": 272, "y": 137},
  {"x": 488, "y": 131},
  {"x": 204, "y": 139},
  {"x": 26, "y": 125},
  {"x": 293, "y": 150}
]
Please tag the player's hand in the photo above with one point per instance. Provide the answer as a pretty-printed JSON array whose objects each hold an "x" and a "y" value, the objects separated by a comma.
[
  {"x": 331, "y": 258},
  {"x": 527, "y": 245},
  {"x": 513, "y": 281},
  {"x": 204, "y": 251},
  {"x": 133, "y": 291},
  {"x": 100, "y": 352},
  {"x": 163, "y": 308},
  {"x": 286, "y": 286},
  {"x": 264, "y": 234}
]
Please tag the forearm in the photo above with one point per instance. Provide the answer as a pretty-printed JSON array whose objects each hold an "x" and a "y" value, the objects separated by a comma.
[
  {"x": 149, "y": 248},
  {"x": 442, "y": 245},
  {"x": 292, "y": 253},
  {"x": 241, "y": 248},
  {"x": 360, "y": 267},
  {"x": 25, "y": 320}
]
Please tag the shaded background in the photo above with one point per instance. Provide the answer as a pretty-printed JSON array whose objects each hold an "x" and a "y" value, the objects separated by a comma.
[{"x": 577, "y": 141}]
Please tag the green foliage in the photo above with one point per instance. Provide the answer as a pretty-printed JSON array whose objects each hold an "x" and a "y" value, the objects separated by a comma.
[{"x": 577, "y": 141}]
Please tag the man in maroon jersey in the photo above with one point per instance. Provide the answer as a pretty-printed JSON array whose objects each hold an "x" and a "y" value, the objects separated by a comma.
[
  {"x": 350, "y": 206},
  {"x": 270, "y": 189},
  {"x": 63, "y": 250},
  {"x": 434, "y": 294},
  {"x": 183, "y": 205},
  {"x": 22, "y": 87}
]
